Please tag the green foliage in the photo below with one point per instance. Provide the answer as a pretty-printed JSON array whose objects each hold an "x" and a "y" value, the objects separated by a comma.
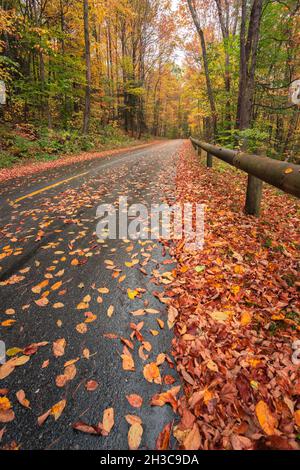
[{"x": 50, "y": 144}]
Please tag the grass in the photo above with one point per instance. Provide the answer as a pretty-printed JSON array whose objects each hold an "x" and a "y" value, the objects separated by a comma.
[{"x": 26, "y": 143}]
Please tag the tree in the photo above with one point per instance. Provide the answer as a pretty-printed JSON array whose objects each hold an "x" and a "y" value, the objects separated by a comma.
[
  {"x": 88, "y": 73},
  {"x": 210, "y": 93},
  {"x": 248, "y": 56}
]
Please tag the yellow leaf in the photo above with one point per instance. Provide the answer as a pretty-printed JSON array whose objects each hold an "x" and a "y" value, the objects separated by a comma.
[
  {"x": 82, "y": 306},
  {"x": 4, "y": 404},
  {"x": 278, "y": 316},
  {"x": 103, "y": 290},
  {"x": 110, "y": 310},
  {"x": 108, "y": 420},
  {"x": 13, "y": 351},
  {"x": 86, "y": 353},
  {"x": 57, "y": 409},
  {"x": 212, "y": 366},
  {"x": 246, "y": 318},
  {"x": 135, "y": 436},
  {"x": 81, "y": 328},
  {"x": 58, "y": 305},
  {"x": 38, "y": 288},
  {"x": 154, "y": 332},
  {"x": 132, "y": 293},
  {"x": 288, "y": 170},
  {"x": 219, "y": 316},
  {"x": 235, "y": 289}
]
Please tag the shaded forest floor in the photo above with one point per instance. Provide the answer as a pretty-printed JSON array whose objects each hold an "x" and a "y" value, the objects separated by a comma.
[
  {"x": 238, "y": 317},
  {"x": 24, "y": 144}
]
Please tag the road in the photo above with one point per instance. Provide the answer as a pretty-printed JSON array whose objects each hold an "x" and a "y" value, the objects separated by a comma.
[{"x": 48, "y": 224}]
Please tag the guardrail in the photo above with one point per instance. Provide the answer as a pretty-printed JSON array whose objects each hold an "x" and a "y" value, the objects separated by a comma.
[{"x": 282, "y": 175}]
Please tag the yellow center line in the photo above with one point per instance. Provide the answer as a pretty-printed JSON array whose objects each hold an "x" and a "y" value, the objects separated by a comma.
[{"x": 34, "y": 193}]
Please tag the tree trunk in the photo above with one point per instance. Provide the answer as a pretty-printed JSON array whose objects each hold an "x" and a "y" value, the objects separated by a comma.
[
  {"x": 248, "y": 55},
  {"x": 210, "y": 93},
  {"x": 87, "y": 105}
]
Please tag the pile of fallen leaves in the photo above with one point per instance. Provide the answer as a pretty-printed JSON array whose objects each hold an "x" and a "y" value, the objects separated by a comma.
[{"x": 237, "y": 316}]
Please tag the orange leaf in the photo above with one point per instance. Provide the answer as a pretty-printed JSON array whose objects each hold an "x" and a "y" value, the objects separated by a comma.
[
  {"x": 59, "y": 347},
  {"x": 57, "y": 409},
  {"x": 135, "y": 400},
  {"x": 128, "y": 362},
  {"x": 266, "y": 420},
  {"x": 21, "y": 399},
  {"x": 151, "y": 373},
  {"x": 91, "y": 385}
]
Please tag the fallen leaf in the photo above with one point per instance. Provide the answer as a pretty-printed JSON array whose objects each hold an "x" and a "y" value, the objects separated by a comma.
[
  {"x": 151, "y": 373},
  {"x": 108, "y": 420},
  {"x": 22, "y": 399},
  {"x": 91, "y": 385},
  {"x": 193, "y": 439},
  {"x": 110, "y": 310},
  {"x": 163, "y": 440},
  {"x": 57, "y": 409},
  {"x": 59, "y": 347},
  {"x": 135, "y": 436},
  {"x": 135, "y": 400},
  {"x": 128, "y": 362},
  {"x": 266, "y": 419}
]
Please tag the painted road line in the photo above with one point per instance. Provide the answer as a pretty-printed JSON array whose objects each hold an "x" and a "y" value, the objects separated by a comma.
[{"x": 34, "y": 193}]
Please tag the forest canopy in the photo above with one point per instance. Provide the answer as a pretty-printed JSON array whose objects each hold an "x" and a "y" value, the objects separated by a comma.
[{"x": 219, "y": 69}]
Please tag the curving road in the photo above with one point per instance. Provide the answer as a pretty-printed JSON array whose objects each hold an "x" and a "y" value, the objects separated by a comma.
[{"x": 48, "y": 234}]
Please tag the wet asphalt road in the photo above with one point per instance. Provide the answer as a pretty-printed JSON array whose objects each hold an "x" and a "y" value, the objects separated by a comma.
[{"x": 40, "y": 238}]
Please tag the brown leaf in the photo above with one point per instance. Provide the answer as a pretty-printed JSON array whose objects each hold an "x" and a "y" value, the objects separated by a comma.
[
  {"x": 193, "y": 439},
  {"x": 163, "y": 440},
  {"x": 240, "y": 442},
  {"x": 86, "y": 428}
]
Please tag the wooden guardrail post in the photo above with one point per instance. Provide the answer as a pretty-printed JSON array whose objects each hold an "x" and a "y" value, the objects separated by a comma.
[
  {"x": 209, "y": 160},
  {"x": 253, "y": 196}
]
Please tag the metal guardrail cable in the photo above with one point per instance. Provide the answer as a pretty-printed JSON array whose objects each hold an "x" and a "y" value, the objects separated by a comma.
[{"x": 282, "y": 175}]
